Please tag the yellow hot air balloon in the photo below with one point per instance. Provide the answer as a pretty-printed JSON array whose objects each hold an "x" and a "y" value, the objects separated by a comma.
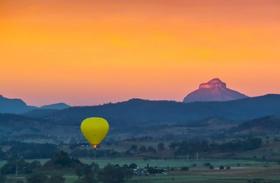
[{"x": 95, "y": 130}]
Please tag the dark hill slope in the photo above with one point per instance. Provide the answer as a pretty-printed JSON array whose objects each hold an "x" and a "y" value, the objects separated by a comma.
[
  {"x": 265, "y": 125},
  {"x": 13, "y": 125}
]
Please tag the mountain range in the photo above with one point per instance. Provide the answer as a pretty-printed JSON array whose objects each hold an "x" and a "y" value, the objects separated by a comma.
[
  {"x": 213, "y": 90},
  {"x": 18, "y": 106},
  {"x": 137, "y": 115},
  {"x": 198, "y": 105},
  {"x": 138, "y": 111}
]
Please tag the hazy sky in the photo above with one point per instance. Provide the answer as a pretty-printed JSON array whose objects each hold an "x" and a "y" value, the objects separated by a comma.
[{"x": 89, "y": 52}]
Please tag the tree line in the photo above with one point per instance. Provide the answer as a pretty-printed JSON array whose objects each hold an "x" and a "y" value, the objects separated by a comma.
[{"x": 61, "y": 162}]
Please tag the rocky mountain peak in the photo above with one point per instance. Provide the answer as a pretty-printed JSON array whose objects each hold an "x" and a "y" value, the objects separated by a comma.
[
  {"x": 213, "y": 90},
  {"x": 213, "y": 83}
]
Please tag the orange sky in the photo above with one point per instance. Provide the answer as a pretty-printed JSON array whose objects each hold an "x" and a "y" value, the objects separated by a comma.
[{"x": 89, "y": 52}]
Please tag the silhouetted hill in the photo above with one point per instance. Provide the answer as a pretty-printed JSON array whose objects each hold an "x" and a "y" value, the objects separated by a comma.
[
  {"x": 57, "y": 106},
  {"x": 18, "y": 106},
  {"x": 137, "y": 112},
  {"x": 15, "y": 106}
]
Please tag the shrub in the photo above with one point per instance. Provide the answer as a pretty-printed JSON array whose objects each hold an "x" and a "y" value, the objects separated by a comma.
[
  {"x": 2, "y": 179},
  {"x": 114, "y": 174},
  {"x": 56, "y": 179},
  {"x": 132, "y": 166},
  {"x": 35, "y": 178},
  {"x": 207, "y": 164},
  {"x": 185, "y": 168}
]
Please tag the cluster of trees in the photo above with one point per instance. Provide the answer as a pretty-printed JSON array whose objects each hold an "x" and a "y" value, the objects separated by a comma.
[
  {"x": 192, "y": 147},
  {"x": 2, "y": 179},
  {"x": 155, "y": 170},
  {"x": 28, "y": 150},
  {"x": 62, "y": 162},
  {"x": 2, "y": 155},
  {"x": 45, "y": 150},
  {"x": 43, "y": 178},
  {"x": 198, "y": 146},
  {"x": 134, "y": 149},
  {"x": 85, "y": 152},
  {"x": 19, "y": 166},
  {"x": 87, "y": 174}
]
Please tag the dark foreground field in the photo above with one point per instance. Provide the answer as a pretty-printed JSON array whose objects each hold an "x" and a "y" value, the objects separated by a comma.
[
  {"x": 235, "y": 171},
  {"x": 242, "y": 175}
]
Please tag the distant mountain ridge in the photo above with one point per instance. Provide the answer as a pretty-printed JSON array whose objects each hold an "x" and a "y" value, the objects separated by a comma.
[
  {"x": 16, "y": 106},
  {"x": 144, "y": 112},
  {"x": 57, "y": 106},
  {"x": 213, "y": 90}
]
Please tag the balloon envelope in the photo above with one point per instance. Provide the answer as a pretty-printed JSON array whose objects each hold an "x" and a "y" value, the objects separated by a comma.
[{"x": 95, "y": 130}]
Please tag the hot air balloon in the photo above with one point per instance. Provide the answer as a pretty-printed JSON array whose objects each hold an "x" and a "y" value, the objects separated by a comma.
[{"x": 95, "y": 129}]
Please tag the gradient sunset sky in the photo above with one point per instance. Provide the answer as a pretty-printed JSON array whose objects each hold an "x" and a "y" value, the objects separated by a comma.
[{"x": 87, "y": 52}]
